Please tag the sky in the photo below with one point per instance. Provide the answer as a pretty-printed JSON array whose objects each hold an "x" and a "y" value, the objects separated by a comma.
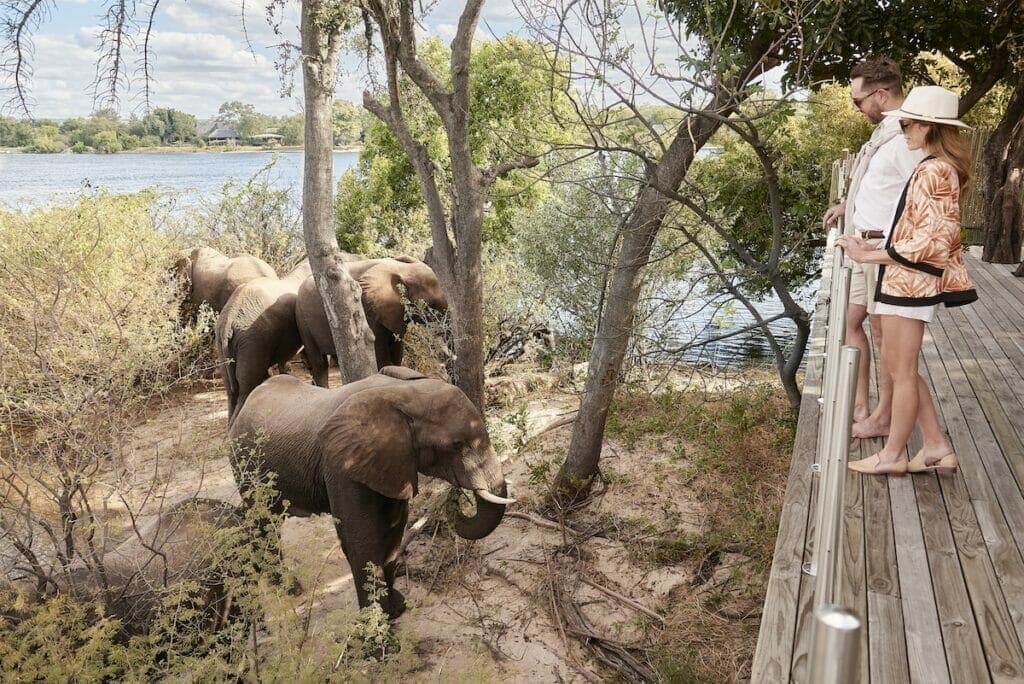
[
  {"x": 201, "y": 56},
  {"x": 205, "y": 53}
]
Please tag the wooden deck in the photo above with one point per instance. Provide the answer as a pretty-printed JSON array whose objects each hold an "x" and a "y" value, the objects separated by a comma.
[{"x": 931, "y": 563}]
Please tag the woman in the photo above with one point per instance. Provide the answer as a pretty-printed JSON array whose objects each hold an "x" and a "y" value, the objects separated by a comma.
[{"x": 921, "y": 266}]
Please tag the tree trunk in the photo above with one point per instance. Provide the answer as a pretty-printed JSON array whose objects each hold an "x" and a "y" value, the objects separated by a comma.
[
  {"x": 581, "y": 463},
  {"x": 1004, "y": 184},
  {"x": 341, "y": 295}
]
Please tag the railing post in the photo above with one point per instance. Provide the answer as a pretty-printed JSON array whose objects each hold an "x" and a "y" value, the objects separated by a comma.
[
  {"x": 829, "y": 535},
  {"x": 835, "y": 336},
  {"x": 835, "y": 647}
]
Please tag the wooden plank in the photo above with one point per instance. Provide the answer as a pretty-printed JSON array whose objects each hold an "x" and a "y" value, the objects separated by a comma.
[
  {"x": 964, "y": 655},
  {"x": 852, "y": 584},
  {"x": 772, "y": 657},
  {"x": 888, "y": 656},
  {"x": 995, "y": 627},
  {"x": 920, "y": 619},
  {"x": 992, "y": 599},
  {"x": 995, "y": 498}
]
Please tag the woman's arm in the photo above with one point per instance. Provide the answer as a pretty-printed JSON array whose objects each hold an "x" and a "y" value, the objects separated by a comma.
[{"x": 863, "y": 252}]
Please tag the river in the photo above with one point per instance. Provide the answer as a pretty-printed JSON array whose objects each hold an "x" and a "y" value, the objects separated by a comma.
[{"x": 28, "y": 180}]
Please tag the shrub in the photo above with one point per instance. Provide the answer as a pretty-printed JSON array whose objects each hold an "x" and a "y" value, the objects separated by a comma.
[
  {"x": 250, "y": 217},
  {"x": 88, "y": 333}
]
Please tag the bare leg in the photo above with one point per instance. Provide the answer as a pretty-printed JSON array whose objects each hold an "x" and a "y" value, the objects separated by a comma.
[
  {"x": 877, "y": 424},
  {"x": 855, "y": 315},
  {"x": 901, "y": 349},
  {"x": 932, "y": 436}
]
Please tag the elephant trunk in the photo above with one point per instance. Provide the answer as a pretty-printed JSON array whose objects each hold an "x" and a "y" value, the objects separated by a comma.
[{"x": 487, "y": 517}]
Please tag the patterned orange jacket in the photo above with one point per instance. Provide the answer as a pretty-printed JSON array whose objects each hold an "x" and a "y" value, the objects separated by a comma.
[{"x": 925, "y": 243}]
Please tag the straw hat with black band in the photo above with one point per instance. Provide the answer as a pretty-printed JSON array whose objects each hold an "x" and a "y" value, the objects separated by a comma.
[{"x": 933, "y": 104}]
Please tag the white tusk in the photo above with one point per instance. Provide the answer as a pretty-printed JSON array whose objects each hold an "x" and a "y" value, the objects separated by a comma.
[{"x": 493, "y": 498}]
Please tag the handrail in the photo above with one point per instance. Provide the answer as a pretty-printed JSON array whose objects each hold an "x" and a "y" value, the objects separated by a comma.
[{"x": 833, "y": 656}]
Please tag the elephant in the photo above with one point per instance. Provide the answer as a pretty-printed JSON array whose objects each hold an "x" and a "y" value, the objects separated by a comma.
[
  {"x": 211, "y": 277},
  {"x": 180, "y": 544},
  {"x": 355, "y": 452},
  {"x": 255, "y": 331},
  {"x": 382, "y": 304}
]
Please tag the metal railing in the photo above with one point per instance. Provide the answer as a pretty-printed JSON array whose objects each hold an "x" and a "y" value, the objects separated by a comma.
[{"x": 834, "y": 652}]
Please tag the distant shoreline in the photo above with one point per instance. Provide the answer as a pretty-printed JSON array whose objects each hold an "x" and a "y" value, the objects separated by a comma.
[{"x": 190, "y": 149}]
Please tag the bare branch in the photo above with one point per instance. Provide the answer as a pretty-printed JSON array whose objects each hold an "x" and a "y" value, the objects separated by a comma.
[{"x": 20, "y": 19}]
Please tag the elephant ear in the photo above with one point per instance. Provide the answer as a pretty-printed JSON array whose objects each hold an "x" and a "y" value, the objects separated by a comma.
[
  {"x": 382, "y": 298},
  {"x": 402, "y": 373},
  {"x": 406, "y": 259},
  {"x": 369, "y": 440}
]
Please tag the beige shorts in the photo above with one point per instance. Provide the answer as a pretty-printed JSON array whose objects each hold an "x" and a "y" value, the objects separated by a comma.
[{"x": 862, "y": 285}]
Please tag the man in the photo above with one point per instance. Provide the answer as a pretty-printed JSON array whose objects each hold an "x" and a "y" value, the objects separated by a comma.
[{"x": 880, "y": 170}]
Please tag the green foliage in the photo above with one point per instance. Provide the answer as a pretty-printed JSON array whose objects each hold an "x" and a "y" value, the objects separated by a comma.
[
  {"x": 380, "y": 201},
  {"x": 85, "y": 287},
  {"x": 803, "y": 141},
  {"x": 250, "y": 217},
  {"x": 59, "y": 640},
  {"x": 972, "y": 32},
  {"x": 370, "y": 636},
  {"x": 167, "y": 126},
  {"x": 349, "y": 121},
  {"x": 243, "y": 117}
]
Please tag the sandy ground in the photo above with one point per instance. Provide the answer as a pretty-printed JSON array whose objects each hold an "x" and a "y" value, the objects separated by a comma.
[{"x": 481, "y": 610}]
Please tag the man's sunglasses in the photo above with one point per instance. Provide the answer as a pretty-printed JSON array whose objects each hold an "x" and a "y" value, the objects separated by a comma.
[{"x": 858, "y": 100}]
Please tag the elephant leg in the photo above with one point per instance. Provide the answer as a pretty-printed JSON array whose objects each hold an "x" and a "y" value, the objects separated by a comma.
[
  {"x": 250, "y": 371},
  {"x": 383, "y": 339},
  {"x": 316, "y": 360},
  {"x": 370, "y": 528},
  {"x": 397, "y": 351}
]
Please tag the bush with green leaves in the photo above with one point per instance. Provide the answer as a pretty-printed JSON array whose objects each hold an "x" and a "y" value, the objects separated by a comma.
[
  {"x": 249, "y": 217},
  {"x": 89, "y": 333}
]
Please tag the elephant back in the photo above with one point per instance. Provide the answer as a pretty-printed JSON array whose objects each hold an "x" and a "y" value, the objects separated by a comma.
[{"x": 241, "y": 270}]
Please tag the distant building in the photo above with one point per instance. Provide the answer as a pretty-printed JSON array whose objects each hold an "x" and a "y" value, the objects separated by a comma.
[{"x": 223, "y": 135}]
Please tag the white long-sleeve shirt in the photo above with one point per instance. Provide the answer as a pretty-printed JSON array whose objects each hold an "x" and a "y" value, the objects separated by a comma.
[{"x": 888, "y": 170}]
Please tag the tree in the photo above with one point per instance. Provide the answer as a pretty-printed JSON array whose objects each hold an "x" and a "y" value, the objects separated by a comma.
[
  {"x": 323, "y": 22},
  {"x": 721, "y": 49},
  {"x": 380, "y": 204},
  {"x": 348, "y": 123},
  {"x": 455, "y": 187},
  {"x": 170, "y": 125},
  {"x": 985, "y": 40},
  {"x": 243, "y": 117}
]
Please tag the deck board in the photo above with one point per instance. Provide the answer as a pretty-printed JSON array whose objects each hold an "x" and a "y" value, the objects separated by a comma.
[{"x": 933, "y": 564}]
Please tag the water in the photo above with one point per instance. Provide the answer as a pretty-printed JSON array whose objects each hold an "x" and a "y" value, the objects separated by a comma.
[{"x": 28, "y": 180}]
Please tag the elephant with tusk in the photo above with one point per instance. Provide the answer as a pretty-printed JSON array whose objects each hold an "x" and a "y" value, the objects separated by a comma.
[{"x": 356, "y": 451}]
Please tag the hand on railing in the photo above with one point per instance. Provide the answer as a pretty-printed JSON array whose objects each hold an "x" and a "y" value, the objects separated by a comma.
[{"x": 833, "y": 214}]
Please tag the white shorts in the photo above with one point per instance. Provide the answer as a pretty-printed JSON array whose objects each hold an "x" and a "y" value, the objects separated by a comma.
[{"x": 919, "y": 313}]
